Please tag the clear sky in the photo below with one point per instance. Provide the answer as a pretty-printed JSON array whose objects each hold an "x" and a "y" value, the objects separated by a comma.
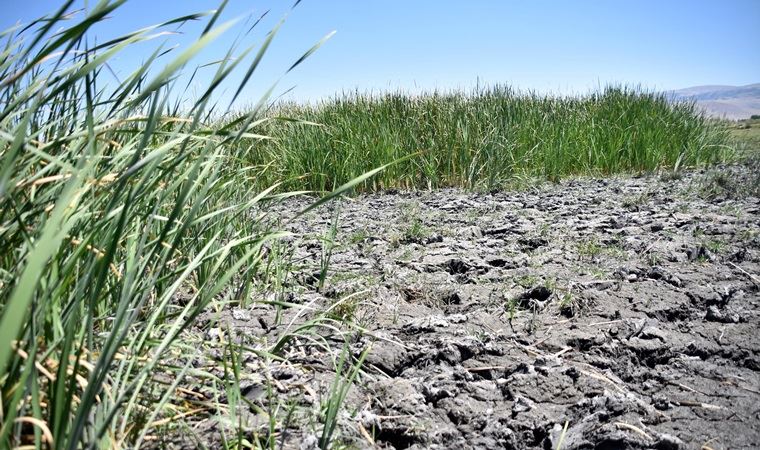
[{"x": 552, "y": 46}]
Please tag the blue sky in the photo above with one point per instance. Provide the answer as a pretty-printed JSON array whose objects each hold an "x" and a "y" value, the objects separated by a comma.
[{"x": 550, "y": 46}]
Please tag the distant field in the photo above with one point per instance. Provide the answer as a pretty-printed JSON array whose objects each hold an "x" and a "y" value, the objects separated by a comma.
[
  {"x": 746, "y": 134},
  {"x": 488, "y": 138}
]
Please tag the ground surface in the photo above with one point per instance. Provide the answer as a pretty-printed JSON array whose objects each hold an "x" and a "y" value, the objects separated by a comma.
[{"x": 626, "y": 308}]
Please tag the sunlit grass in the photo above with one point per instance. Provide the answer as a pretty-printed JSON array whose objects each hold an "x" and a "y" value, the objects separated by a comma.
[
  {"x": 487, "y": 138},
  {"x": 745, "y": 135},
  {"x": 122, "y": 218}
]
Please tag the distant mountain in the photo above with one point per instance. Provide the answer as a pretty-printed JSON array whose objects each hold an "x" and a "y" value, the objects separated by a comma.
[{"x": 730, "y": 102}]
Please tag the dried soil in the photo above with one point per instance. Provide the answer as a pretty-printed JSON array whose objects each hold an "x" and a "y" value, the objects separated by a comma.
[{"x": 603, "y": 313}]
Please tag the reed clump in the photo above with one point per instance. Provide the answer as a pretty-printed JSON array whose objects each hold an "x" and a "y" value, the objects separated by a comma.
[
  {"x": 122, "y": 218},
  {"x": 487, "y": 138}
]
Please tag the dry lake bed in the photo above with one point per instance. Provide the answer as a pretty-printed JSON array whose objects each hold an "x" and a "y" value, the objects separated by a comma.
[{"x": 595, "y": 313}]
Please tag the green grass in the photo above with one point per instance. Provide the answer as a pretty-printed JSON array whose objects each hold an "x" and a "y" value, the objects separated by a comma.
[
  {"x": 122, "y": 219},
  {"x": 745, "y": 134},
  {"x": 487, "y": 138}
]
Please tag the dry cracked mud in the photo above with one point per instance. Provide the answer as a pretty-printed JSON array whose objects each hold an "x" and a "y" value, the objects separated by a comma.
[{"x": 603, "y": 313}]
